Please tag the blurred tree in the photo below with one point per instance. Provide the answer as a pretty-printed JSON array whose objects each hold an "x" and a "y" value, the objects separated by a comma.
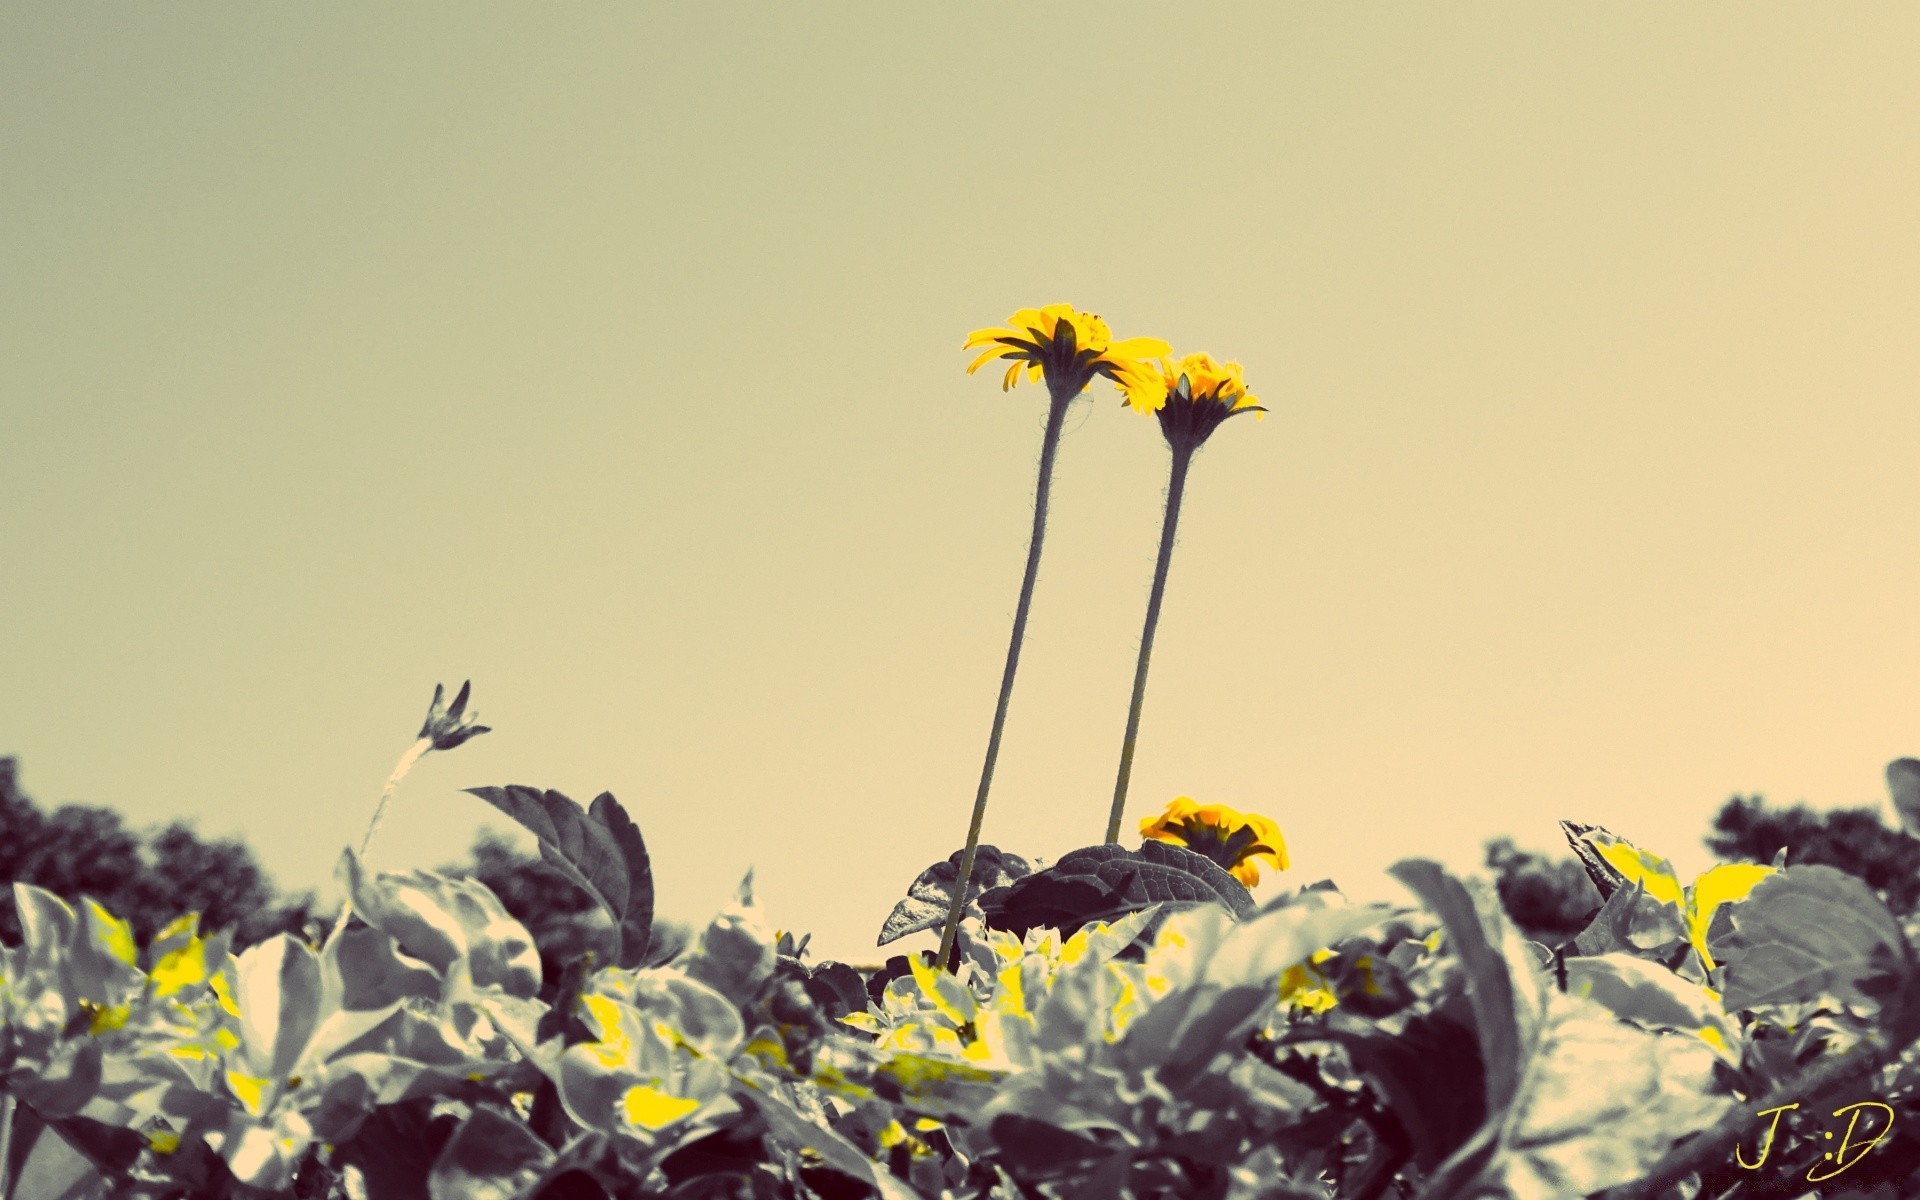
[
  {"x": 1550, "y": 899},
  {"x": 80, "y": 850},
  {"x": 1855, "y": 840}
]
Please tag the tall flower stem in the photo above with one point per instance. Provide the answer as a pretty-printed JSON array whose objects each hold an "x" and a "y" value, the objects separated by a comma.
[
  {"x": 1176, "y": 488},
  {"x": 400, "y": 769},
  {"x": 1042, "y": 488}
]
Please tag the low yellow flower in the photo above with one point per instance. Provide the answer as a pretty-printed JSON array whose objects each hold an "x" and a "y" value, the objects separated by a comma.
[
  {"x": 1065, "y": 346},
  {"x": 1191, "y": 397},
  {"x": 1237, "y": 841}
]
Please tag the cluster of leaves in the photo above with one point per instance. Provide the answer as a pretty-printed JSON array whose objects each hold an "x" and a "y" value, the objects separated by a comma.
[{"x": 1120, "y": 1024}]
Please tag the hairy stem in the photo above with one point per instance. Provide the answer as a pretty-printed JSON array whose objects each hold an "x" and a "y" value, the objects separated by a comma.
[
  {"x": 1176, "y": 488},
  {"x": 400, "y": 769},
  {"x": 1043, "y": 486}
]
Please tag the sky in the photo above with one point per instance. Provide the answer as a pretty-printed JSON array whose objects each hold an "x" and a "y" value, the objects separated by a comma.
[{"x": 609, "y": 356}]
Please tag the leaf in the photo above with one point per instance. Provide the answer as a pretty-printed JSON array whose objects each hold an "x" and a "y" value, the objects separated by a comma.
[
  {"x": 1549, "y": 1131},
  {"x": 397, "y": 1147},
  {"x": 1035, "y": 1150},
  {"x": 1570, "y": 1137},
  {"x": 600, "y": 850},
  {"x": 1504, "y": 986},
  {"x": 1105, "y": 882},
  {"x": 62, "y": 1084},
  {"x": 1806, "y": 932},
  {"x": 55, "y": 1170},
  {"x": 1636, "y": 923},
  {"x": 787, "y": 1124},
  {"x": 837, "y": 989},
  {"x": 441, "y": 919},
  {"x": 277, "y": 988},
  {"x": 735, "y": 953},
  {"x": 636, "y": 923},
  {"x": 1429, "y": 1074},
  {"x": 1648, "y": 994},
  {"x": 490, "y": 1157},
  {"x": 930, "y": 895}
]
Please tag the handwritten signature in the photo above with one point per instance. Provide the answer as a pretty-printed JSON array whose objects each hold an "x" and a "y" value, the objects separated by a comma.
[{"x": 1836, "y": 1160}]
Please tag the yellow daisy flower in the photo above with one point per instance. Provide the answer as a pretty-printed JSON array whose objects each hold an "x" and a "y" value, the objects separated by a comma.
[
  {"x": 1191, "y": 397},
  {"x": 1065, "y": 346},
  {"x": 1237, "y": 841}
]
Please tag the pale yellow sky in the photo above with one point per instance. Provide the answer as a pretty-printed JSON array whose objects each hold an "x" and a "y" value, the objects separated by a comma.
[{"x": 609, "y": 355}]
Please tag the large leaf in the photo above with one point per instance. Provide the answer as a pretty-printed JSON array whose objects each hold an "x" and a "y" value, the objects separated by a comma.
[
  {"x": 1429, "y": 1074},
  {"x": 931, "y": 894},
  {"x": 490, "y": 1157},
  {"x": 1569, "y": 1137},
  {"x": 277, "y": 988},
  {"x": 599, "y": 848},
  {"x": 1651, "y": 996},
  {"x": 1807, "y": 932},
  {"x": 1105, "y": 882},
  {"x": 1549, "y": 1131},
  {"x": 440, "y": 920},
  {"x": 1504, "y": 986}
]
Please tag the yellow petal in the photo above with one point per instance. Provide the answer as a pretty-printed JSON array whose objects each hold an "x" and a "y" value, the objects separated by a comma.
[
  {"x": 1012, "y": 377},
  {"x": 981, "y": 337},
  {"x": 1140, "y": 348},
  {"x": 996, "y": 352}
]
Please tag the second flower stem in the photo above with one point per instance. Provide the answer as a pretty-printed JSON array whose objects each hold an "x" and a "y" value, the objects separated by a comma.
[
  {"x": 1042, "y": 488},
  {"x": 1176, "y": 487}
]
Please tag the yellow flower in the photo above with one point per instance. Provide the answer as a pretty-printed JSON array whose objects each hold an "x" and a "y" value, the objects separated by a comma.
[
  {"x": 1191, "y": 398},
  {"x": 1066, "y": 346},
  {"x": 1235, "y": 840}
]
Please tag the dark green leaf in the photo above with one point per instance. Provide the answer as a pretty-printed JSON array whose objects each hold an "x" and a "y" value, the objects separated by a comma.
[
  {"x": 490, "y": 1157},
  {"x": 931, "y": 894},
  {"x": 636, "y": 923},
  {"x": 601, "y": 851},
  {"x": 1106, "y": 882}
]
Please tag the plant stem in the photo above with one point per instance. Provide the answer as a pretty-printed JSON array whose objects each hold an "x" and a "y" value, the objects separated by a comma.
[
  {"x": 1176, "y": 487},
  {"x": 1043, "y": 486},
  {"x": 400, "y": 769},
  {"x": 6, "y": 1141}
]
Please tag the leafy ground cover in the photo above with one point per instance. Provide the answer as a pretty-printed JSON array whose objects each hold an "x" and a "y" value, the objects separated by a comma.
[{"x": 1119, "y": 1023}]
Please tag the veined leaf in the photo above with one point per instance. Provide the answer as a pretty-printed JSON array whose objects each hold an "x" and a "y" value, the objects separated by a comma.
[
  {"x": 1106, "y": 882},
  {"x": 600, "y": 849},
  {"x": 1810, "y": 931},
  {"x": 931, "y": 893}
]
